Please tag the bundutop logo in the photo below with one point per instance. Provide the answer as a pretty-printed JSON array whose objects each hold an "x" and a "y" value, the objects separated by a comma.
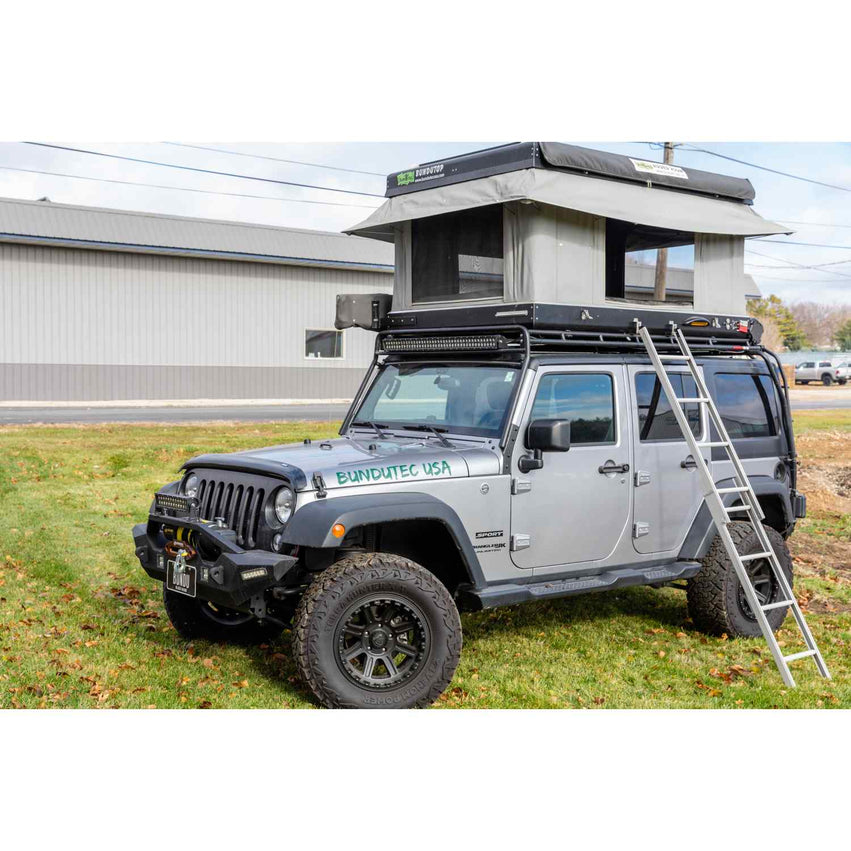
[{"x": 404, "y": 178}]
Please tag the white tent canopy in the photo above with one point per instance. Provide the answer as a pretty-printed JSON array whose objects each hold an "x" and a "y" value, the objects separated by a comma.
[{"x": 612, "y": 199}]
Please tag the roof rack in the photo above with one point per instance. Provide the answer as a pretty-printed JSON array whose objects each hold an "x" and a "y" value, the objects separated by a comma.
[{"x": 520, "y": 340}]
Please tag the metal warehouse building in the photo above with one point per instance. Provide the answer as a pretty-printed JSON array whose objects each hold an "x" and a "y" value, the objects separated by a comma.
[{"x": 110, "y": 305}]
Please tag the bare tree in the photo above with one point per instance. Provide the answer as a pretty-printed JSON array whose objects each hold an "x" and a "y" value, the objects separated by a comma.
[
  {"x": 771, "y": 336},
  {"x": 820, "y": 322}
]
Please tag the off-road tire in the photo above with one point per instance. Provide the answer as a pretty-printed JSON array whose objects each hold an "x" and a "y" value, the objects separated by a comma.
[
  {"x": 842, "y": 381},
  {"x": 827, "y": 380},
  {"x": 713, "y": 595},
  {"x": 192, "y": 622},
  {"x": 354, "y": 581}
]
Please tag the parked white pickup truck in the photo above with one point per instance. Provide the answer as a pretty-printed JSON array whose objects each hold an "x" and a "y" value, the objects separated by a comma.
[{"x": 824, "y": 371}]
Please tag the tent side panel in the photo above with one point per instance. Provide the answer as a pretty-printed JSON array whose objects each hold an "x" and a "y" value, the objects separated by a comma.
[{"x": 719, "y": 274}]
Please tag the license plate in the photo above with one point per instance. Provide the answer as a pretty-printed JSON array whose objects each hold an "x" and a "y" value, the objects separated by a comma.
[{"x": 180, "y": 579}]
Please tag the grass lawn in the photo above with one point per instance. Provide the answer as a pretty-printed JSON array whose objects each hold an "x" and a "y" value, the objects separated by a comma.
[{"x": 81, "y": 625}]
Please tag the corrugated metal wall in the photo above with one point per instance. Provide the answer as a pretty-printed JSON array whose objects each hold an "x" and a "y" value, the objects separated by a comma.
[{"x": 102, "y": 325}]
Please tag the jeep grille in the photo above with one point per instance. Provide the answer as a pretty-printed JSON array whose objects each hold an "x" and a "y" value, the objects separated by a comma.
[{"x": 240, "y": 505}]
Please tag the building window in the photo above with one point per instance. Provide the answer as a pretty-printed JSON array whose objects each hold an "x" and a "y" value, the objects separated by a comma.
[
  {"x": 587, "y": 400},
  {"x": 319, "y": 343},
  {"x": 457, "y": 256},
  {"x": 747, "y": 405},
  {"x": 656, "y": 420}
]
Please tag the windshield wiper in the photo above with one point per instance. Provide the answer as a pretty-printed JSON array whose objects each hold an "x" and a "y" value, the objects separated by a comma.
[
  {"x": 437, "y": 432},
  {"x": 376, "y": 427}
]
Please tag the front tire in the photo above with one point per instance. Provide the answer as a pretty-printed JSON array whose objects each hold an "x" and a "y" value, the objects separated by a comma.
[
  {"x": 197, "y": 619},
  {"x": 716, "y": 600},
  {"x": 376, "y": 630}
]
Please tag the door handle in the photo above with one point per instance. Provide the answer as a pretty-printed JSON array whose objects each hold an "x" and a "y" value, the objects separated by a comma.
[
  {"x": 689, "y": 463},
  {"x": 610, "y": 467}
]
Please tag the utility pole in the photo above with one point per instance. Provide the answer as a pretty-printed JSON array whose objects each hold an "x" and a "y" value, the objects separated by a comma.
[{"x": 662, "y": 253}]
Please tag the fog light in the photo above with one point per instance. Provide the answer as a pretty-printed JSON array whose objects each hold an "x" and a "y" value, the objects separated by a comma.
[
  {"x": 255, "y": 573},
  {"x": 338, "y": 530}
]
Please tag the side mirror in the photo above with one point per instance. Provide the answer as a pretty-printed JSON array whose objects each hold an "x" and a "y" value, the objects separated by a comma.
[
  {"x": 544, "y": 436},
  {"x": 548, "y": 435}
]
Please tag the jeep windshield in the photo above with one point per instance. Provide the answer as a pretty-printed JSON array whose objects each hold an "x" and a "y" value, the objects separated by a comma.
[{"x": 458, "y": 398}]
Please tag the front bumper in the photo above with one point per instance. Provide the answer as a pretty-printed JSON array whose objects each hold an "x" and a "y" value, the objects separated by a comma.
[{"x": 220, "y": 580}]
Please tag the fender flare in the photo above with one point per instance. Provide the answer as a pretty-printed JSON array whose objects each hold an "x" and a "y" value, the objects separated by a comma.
[
  {"x": 311, "y": 525},
  {"x": 702, "y": 531}
]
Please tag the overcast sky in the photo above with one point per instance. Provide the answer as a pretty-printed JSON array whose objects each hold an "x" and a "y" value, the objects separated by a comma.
[{"x": 779, "y": 198}]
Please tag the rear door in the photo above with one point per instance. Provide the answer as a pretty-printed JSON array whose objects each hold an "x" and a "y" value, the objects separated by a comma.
[{"x": 666, "y": 481}]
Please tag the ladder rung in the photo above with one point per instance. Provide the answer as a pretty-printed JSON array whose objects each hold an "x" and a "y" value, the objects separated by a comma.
[
  {"x": 737, "y": 509},
  {"x": 674, "y": 357},
  {"x": 693, "y": 401},
  {"x": 733, "y": 490},
  {"x": 712, "y": 444},
  {"x": 755, "y": 556},
  {"x": 779, "y": 605},
  {"x": 802, "y": 655}
]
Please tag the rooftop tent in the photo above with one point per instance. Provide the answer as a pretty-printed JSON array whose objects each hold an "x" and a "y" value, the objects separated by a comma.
[{"x": 546, "y": 222}]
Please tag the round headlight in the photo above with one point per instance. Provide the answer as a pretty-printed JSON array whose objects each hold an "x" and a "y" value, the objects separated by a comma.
[
  {"x": 190, "y": 486},
  {"x": 284, "y": 502}
]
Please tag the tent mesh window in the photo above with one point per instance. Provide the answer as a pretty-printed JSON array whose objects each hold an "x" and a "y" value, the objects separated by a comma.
[
  {"x": 458, "y": 256},
  {"x": 632, "y": 253}
]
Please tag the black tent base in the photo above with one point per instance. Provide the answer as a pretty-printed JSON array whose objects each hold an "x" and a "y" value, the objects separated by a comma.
[{"x": 578, "y": 319}]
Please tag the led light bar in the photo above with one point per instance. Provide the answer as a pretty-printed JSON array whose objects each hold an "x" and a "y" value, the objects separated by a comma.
[
  {"x": 173, "y": 502},
  {"x": 465, "y": 343}
]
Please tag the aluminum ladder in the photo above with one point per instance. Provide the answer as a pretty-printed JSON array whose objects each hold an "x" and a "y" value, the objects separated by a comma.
[{"x": 722, "y": 515}]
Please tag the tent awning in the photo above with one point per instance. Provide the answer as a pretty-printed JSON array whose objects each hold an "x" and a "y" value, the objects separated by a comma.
[{"x": 598, "y": 196}]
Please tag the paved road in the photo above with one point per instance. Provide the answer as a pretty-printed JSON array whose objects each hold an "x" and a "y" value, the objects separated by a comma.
[
  {"x": 801, "y": 400},
  {"x": 249, "y": 413}
]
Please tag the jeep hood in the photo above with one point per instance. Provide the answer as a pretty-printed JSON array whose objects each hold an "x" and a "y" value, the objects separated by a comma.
[{"x": 348, "y": 462}]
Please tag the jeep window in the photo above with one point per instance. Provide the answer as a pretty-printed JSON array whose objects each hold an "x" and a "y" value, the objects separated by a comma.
[
  {"x": 463, "y": 399},
  {"x": 587, "y": 400},
  {"x": 656, "y": 420},
  {"x": 323, "y": 344},
  {"x": 457, "y": 256},
  {"x": 747, "y": 404}
]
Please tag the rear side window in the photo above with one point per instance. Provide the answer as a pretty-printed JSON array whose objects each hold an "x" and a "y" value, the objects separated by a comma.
[
  {"x": 747, "y": 405},
  {"x": 656, "y": 420},
  {"x": 825, "y": 363},
  {"x": 588, "y": 401}
]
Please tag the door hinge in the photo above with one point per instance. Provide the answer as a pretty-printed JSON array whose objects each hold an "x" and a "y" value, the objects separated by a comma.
[
  {"x": 520, "y": 486},
  {"x": 639, "y": 530},
  {"x": 520, "y": 542},
  {"x": 642, "y": 477}
]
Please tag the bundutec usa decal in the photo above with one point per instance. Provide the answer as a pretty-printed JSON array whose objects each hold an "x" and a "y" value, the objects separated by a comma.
[{"x": 394, "y": 473}]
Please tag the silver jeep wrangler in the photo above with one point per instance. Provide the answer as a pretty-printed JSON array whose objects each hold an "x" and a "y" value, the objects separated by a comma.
[{"x": 466, "y": 481}]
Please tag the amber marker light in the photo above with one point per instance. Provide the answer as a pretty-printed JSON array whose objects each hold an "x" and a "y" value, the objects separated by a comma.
[{"x": 338, "y": 530}]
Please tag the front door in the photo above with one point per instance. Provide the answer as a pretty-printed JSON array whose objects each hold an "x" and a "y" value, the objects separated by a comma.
[
  {"x": 576, "y": 508},
  {"x": 668, "y": 491}
]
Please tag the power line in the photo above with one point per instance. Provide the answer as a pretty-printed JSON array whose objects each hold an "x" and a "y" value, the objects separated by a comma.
[
  {"x": 812, "y": 224},
  {"x": 766, "y": 168},
  {"x": 791, "y": 263},
  {"x": 795, "y": 242},
  {"x": 801, "y": 280},
  {"x": 203, "y": 170},
  {"x": 186, "y": 188},
  {"x": 274, "y": 159}
]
